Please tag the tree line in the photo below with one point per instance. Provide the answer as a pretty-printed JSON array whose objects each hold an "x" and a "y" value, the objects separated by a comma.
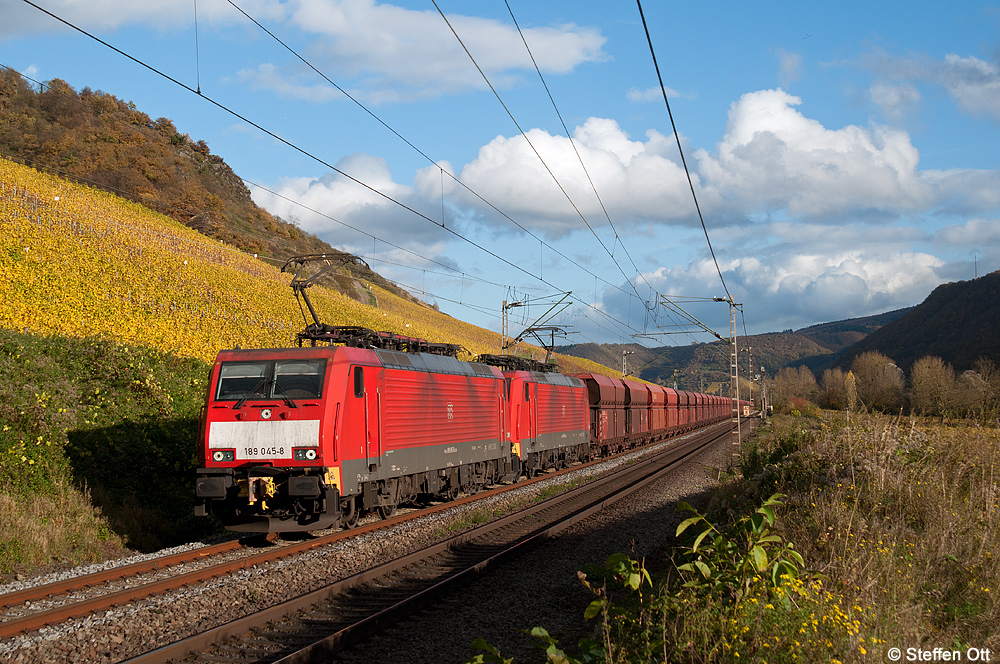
[{"x": 875, "y": 382}]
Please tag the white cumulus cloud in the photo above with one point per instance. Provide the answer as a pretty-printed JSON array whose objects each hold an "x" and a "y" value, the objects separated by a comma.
[
  {"x": 399, "y": 54},
  {"x": 791, "y": 290},
  {"x": 774, "y": 157},
  {"x": 328, "y": 205},
  {"x": 636, "y": 180}
]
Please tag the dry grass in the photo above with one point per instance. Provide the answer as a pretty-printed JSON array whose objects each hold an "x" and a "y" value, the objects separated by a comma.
[
  {"x": 897, "y": 520},
  {"x": 901, "y": 516},
  {"x": 61, "y": 528}
]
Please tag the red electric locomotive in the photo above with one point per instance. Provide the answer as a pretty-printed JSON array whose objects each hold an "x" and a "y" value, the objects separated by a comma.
[
  {"x": 305, "y": 438},
  {"x": 549, "y": 419},
  {"x": 301, "y": 439}
]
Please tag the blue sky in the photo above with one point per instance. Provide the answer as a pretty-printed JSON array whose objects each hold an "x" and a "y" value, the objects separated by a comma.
[{"x": 844, "y": 155}]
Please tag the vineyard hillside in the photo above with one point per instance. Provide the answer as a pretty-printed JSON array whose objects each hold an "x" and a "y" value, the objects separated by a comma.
[
  {"x": 100, "y": 140},
  {"x": 77, "y": 261}
]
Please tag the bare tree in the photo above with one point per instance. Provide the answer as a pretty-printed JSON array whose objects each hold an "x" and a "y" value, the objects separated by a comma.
[
  {"x": 932, "y": 386},
  {"x": 969, "y": 394},
  {"x": 792, "y": 384},
  {"x": 879, "y": 381},
  {"x": 833, "y": 389},
  {"x": 990, "y": 373}
]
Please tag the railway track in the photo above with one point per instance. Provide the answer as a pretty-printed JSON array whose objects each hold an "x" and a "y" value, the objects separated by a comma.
[
  {"x": 307, "y": 628},
  {"x": 32, "y": 608},
  {"x": 39, "y": 606}
]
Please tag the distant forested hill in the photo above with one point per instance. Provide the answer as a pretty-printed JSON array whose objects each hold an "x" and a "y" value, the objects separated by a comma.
[
  {"x": 957, "y": 322},
  {"x": 698, "y": 366}
]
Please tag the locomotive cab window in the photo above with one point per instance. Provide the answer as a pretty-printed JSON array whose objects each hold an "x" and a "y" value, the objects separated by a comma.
[
  {"x": 359, "y": 382},
  {"x": 242, "y": 379},
  {"x": 271, "y": 379},
  {"x": 299, "y": 379}
]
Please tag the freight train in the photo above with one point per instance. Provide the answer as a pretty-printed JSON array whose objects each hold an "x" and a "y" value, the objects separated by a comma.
[{"x": 300, "y": 439}]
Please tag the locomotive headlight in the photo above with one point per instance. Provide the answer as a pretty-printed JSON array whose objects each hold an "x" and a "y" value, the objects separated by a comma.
[
  {"x": 308, "y": 454},
  {"x": 223, "y": 455}
]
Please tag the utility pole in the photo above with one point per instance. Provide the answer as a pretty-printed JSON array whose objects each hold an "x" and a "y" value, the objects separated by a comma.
[
  {"x": 734, "y": 377},
  {"x": 503, "y": 322},
  {"x": 625, "y": 354}
]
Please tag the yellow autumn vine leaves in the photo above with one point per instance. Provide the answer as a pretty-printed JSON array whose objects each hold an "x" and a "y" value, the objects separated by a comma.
[{"x": 81, "y": 262}]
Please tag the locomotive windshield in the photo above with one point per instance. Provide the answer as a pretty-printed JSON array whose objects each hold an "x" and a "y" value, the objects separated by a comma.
[{"x": 271, "y": 379}]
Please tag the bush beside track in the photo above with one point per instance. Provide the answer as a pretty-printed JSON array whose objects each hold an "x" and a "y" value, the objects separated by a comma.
[
  {"x": 95, "y": 449},
  {"x": 897, "y": 519}
]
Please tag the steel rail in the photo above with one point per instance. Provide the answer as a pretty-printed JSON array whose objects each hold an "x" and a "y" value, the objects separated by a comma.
[{"x": 37, "y": 593}]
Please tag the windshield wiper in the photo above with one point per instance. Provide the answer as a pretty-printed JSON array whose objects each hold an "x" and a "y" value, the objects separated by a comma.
[
  {"x": 249, "y": 393},
  {"x": 284, "y": 397}
]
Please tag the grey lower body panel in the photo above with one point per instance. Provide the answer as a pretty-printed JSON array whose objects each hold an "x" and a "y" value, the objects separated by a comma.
[
  {"x": 401, "y": 462},
  {"x": 554, "y": 441}
]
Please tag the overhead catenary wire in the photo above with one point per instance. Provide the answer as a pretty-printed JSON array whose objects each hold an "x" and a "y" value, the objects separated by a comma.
[
  {"x": 414, "y": 289},
  {"x": 579, "y": 157},
  {"x": 422, "y": 153},
  {"x": 541, "y": 159},
  {"x": 677, "y": 137},
  {"x": 366, "y": 233},
  {"x": 650, "y": 309}
]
